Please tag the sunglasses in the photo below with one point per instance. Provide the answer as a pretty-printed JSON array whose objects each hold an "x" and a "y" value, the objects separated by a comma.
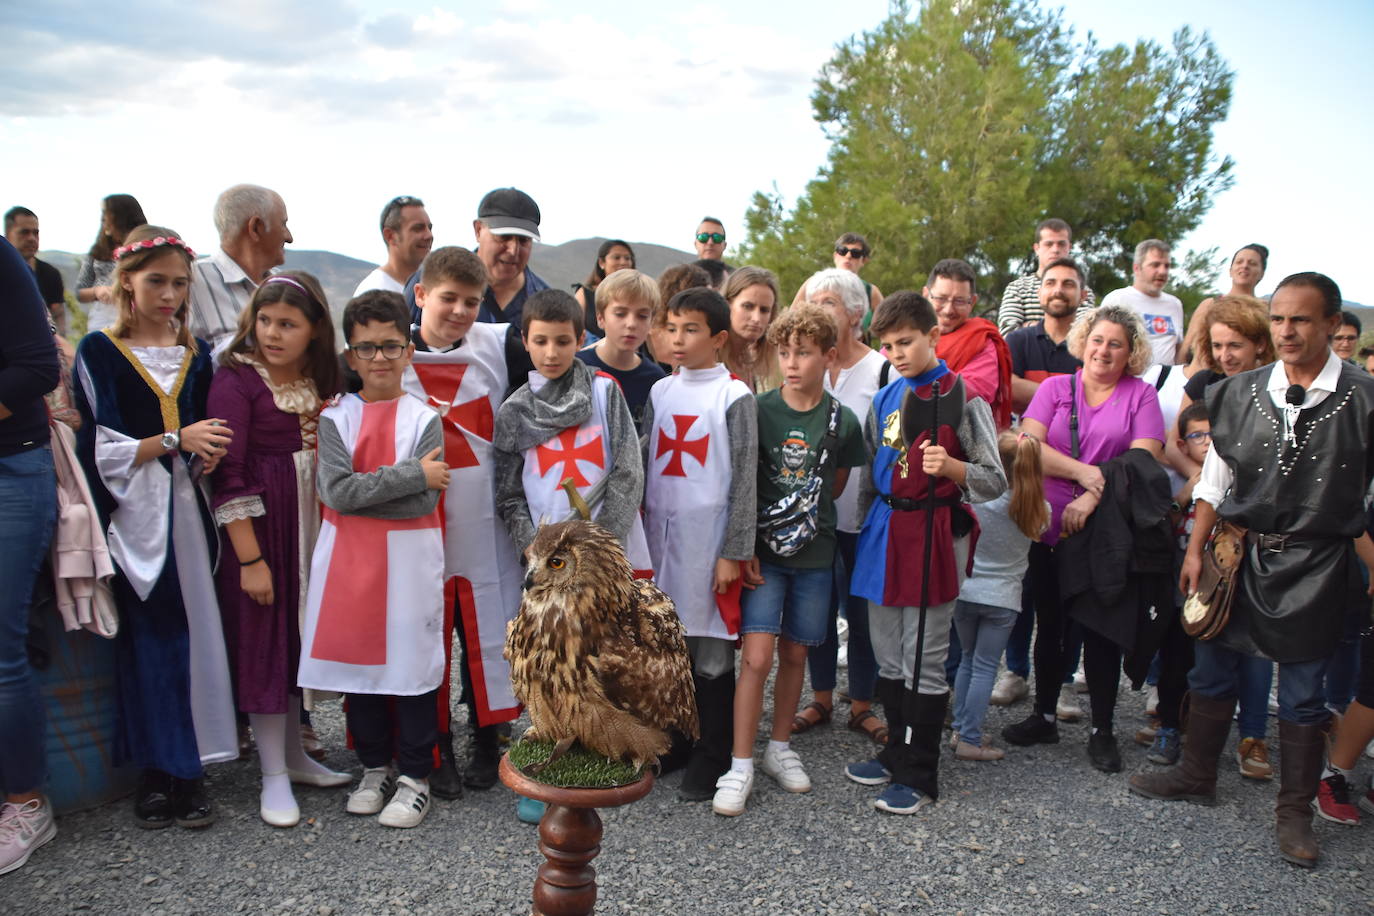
[
  {"x": 367, "y": 352},
  {"x": 397, "y": 203},
  {"x": 850, "y": 252},
  {"x": 705, "y": 237}
]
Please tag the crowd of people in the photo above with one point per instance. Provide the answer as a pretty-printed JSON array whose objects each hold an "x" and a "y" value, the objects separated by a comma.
[{"x": 278, "y": 518}]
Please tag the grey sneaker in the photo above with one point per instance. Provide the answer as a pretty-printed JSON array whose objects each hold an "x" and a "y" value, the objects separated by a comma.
[
  {"x": 23, "y": 828},
  {"x": 1166, "y": 747},
  {"x": 373, "y": 790}
]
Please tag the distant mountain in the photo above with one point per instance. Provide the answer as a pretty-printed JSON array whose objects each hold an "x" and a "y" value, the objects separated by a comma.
[{"x": 559, "y": 265}]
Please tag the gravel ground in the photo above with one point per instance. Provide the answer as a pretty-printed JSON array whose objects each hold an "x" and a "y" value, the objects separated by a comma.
[{"x": 1039, "y": 832}]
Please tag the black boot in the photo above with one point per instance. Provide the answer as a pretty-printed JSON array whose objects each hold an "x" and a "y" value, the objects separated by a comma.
[
  {"x": 677, "y": 755},
  {"x": 484, "y": 757},
  {"x": 445, "y": 782},
  {"x": 711, "y": 755},
  {"x": 925, "y": 719},
  {"x": 190, "y": 805},
  {"x": 153, "y": 800},
  {"x": 889, "y": 693}
]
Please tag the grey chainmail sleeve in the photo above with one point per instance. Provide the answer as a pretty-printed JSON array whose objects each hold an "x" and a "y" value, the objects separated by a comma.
[
  {"x": 625, "y": 482},
  {"x": 868, "y": 491},
  {"x": 742, "y": 425},
  {"x": 395, "y": 491},
  {"x": 984, "y": 477}
]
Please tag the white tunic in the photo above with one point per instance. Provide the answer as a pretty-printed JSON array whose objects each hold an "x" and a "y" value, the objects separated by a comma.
[
  {"x": 466, "y": 386},
  {"x": 582, "y": 453},
  {"x": 687, "y": 490},
  {"x": 375, "y": 610}
]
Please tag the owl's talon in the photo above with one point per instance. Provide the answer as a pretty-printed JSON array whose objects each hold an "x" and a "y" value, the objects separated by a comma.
[{"x": 559, "y": 750}]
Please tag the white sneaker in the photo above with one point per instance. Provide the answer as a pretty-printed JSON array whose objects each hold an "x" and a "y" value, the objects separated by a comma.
[
  {"x": 23, "y": 828},
  {"x": 1369, "y": 750},
  {"x": 732, "y": 791},
  {"x": 1067, "y": 709},
  {"x": 1152, "y": 702},
  {"x": 786, "y": 767},
  {"x": 1010, "y": 689},
  {"x": 842, "y": 635},
  {"x": 408, "y": 806},
  {"x": 373, "y": 790}
]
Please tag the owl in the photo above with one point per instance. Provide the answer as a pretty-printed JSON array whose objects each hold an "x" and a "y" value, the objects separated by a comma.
[{"x": 597, "y": 655}]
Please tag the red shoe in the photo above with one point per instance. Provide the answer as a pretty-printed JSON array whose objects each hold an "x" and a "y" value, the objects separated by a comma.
[{"x": 1333, "y": 801}]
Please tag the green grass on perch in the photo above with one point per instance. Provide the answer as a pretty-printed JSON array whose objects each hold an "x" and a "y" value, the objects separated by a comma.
[{"x": 579, "y": 768}]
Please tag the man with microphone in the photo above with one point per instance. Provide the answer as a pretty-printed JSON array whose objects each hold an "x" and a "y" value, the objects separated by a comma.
[{"x": 1291, "y": 443}]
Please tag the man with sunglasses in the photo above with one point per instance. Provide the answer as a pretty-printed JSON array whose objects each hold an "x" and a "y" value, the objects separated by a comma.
[
  {"x": 710, "y": 239},
  {"x": 1020, "y": 301},
  {"x": 852, "y": 254},
  {"x": 408, "y": 235}
]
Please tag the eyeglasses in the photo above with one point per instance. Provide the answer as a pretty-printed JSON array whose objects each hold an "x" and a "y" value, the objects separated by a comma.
[
  {"x": 705, "y": 237},
  {"x": 1199, "y": 435},
  {"x": 367, "y": 352},
  {"x": 850, "y": 252},
  {"x": 1346, "y": 338},
  {"x": 959, "y": 301}
]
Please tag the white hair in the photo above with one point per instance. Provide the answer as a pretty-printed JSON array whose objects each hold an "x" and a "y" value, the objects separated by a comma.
[
  {"x": 848, "y": 285},
  {"x": 241, "y": 203}
]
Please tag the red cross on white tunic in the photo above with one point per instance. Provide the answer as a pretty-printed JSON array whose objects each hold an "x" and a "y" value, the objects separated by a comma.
[
  {"x": 697, "y": 448},
  {"x": 442, "y": 383},
  {"x": 353, "y": 608},
  {"x": 569, "y": 455}
]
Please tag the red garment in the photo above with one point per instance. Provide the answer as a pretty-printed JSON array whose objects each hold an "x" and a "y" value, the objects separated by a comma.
[{"x": 961, "y": 350}]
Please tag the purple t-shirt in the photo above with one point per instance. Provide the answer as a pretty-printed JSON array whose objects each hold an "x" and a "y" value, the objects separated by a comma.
[{"x": 1104, "y": 432}]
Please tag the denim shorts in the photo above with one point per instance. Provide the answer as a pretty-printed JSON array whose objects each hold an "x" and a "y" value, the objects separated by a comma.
[{"x": 793, "y": 602}]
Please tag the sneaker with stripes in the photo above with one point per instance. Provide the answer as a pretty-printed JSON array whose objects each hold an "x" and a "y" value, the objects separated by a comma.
[{"x": 408, "y": 806}]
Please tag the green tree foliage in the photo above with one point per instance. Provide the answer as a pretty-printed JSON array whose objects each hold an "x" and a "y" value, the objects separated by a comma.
[{"x": 955, "y": 129}]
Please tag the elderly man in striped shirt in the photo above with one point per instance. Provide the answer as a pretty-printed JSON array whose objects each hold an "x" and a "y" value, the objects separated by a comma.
[{"x": 251, "y": 222}]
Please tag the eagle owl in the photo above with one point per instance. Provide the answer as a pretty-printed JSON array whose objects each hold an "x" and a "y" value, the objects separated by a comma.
[{"x": 595, "y": 654}]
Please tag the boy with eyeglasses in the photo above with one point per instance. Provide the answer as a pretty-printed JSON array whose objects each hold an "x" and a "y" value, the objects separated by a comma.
[{"x": 375, "y": 603}]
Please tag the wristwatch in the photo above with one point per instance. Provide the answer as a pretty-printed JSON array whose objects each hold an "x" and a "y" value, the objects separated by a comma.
[{"x": 171, "y": 440}]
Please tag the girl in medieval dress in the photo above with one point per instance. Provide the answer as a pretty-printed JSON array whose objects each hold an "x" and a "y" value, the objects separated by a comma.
[
  {"x": 270, "y": 387},
  {"x": 144, "y": 441}
]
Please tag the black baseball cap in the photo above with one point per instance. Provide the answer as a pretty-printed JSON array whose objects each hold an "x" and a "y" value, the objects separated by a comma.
[{"x": 510, "y": 211}]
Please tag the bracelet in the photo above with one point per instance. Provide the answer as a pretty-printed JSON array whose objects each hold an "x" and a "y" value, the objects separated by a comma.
[{"x": 257, "y": 559}]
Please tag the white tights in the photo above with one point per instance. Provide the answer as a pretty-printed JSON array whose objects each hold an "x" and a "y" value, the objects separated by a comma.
[{"x": 278, "y": 737}]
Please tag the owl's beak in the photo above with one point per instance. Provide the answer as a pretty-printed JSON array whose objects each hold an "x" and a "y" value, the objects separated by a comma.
[{"x": 529, "y": 580}]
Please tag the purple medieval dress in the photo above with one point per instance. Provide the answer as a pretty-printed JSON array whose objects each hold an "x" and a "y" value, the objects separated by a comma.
[{"x": 267, "y": 475}]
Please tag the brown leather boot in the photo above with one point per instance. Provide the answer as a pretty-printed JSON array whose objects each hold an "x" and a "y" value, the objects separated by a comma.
[
  {"x": 1300, "y": 768},
  {"x": 1195, "y": 777}
]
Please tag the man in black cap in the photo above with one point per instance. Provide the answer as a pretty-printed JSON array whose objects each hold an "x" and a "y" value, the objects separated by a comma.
[{"x": 507, "y": 226}]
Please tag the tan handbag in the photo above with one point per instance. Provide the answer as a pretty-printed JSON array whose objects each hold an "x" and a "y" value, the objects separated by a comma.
[{"x": 1207, "y": 610}]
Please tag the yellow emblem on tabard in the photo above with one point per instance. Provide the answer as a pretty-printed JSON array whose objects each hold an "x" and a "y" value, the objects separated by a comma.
[{"x": 892, "y": 438}]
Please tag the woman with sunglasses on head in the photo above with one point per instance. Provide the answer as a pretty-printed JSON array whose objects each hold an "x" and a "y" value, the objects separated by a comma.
[
  {"x": 144, "y": 441},
  {"x": 272, "y": 382},
  {"x": 852, "y": 254}
]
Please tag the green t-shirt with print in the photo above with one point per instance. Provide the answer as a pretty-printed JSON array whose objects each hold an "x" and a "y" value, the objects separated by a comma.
[{"x": 789, "y": 443}]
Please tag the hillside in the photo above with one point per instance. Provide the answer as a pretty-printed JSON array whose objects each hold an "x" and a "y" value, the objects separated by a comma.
[{"x": 559, "y": 265}]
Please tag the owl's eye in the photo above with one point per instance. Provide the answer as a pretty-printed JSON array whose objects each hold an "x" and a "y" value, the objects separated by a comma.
[{"x": 556, "y": 563}]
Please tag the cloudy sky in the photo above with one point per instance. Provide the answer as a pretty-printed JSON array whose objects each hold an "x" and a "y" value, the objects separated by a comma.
[{"x": 621, "y": 119}]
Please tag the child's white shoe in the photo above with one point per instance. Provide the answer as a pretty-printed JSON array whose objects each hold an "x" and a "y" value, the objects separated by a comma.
[
  {"x": 372, "y": 792},
  {"x": 786, "y": 767},
  {"x": 732, "y": 791},
  {"x": 408, "y": 806}
]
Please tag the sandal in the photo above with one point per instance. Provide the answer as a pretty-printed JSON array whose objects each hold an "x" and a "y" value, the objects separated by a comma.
[
  {"x": 859, "y": 722},
  {"x": 800, "y": 723}
]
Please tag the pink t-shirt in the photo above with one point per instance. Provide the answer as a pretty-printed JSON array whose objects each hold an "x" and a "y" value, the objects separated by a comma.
[{"x": 1104, "y": 432}]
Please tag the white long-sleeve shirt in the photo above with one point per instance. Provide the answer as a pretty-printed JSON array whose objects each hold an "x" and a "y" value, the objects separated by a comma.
[{"x": 1216, "y": 478}]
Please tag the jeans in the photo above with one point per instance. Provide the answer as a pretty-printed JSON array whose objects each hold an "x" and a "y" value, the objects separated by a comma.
[
  {"x": 1256, "y": 677},
  {"x": 983, "y": 632},
  {"x": 863, "y": 670},
  {"x": 28, "y": 507},
  {"x": 1019, "y": 643},
  {"x": 1217, "y": 673},
  {"x": 1344, "y": 671},
  {"x": 793, "y": 602}
]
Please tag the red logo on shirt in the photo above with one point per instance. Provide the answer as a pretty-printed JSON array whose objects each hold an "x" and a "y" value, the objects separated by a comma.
[
  {"x": 697, "y": 448},
  {"x": 443, "y": 383},
  {"x": 569, "y": 455}
]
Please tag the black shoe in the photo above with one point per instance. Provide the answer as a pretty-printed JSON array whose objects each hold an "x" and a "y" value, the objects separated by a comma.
[
  {"x": 699, "y": 778},
  {"x": 484, "y": 758},
  {"x": 190, "y": 805},
  {"x": 445, "y": 782},
  {"x": 1032, "y": 730},
  {"x": 1103, "y": 753},
  {"x": 153, "y": 800}
]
